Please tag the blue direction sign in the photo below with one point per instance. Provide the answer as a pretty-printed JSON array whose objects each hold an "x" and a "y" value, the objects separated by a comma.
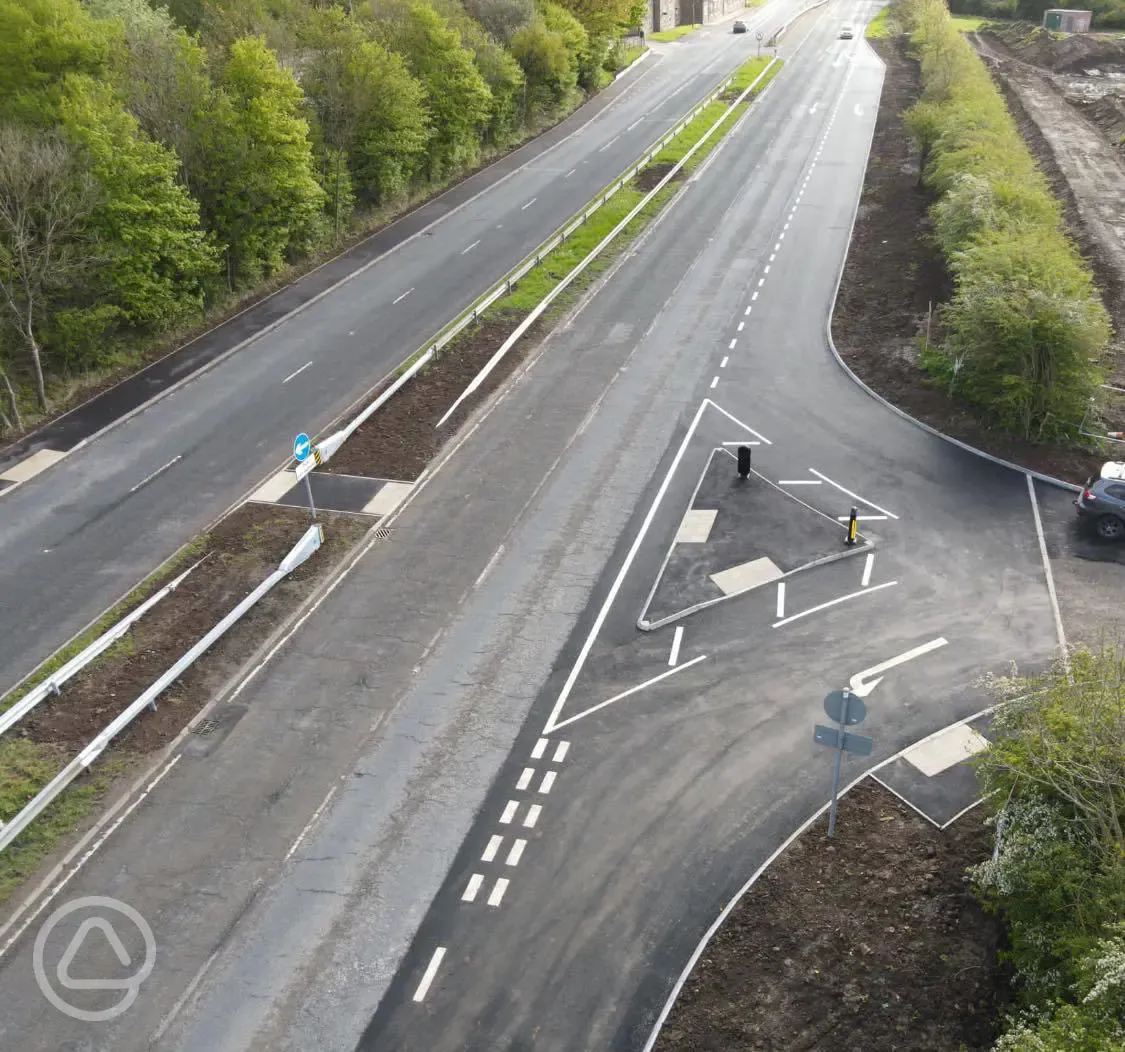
[
  {"x": 302, "y": 447},
  {"x": 834, "y": 708}
]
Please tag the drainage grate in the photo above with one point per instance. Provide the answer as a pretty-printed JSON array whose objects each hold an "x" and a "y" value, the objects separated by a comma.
[
  {"x": 205, "y": 728},
  {"x": 382, "y": 532}
]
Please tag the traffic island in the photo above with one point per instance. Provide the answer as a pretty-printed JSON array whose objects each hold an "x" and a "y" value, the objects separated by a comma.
[{"x": 737, "y": 535}]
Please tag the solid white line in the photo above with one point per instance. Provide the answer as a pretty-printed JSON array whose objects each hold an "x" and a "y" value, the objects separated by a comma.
[
  {"x": 714, "y": 383},
  {"x": 470, "y": 248},
  {"x": 798, "y": 482},
  {"x": 510, "y": 809},
  {"x": 677, "y": 639},
  {"x": 431, "y": 971},
  {"x": 297, "y": 373},
  {"x": 523, "y": 208},
  {"x": 868, "y": 563},
  {"x": 498, "y": 890},
  {"x": 723, "y": 363},
  {"x": 731, "y": 345},
  {"x": 862, "y": 518},
  {"x": 149, "y": 478},
  {"x": 1059, "y": 631},
  {"x": 525, "y": 778},
  {"x": 855, "y": 496},
  {"x": 743, "y": 442},
  {"x": 632, "y": 690},
  {"x": 964, "y": 811},
  {"x": 548, "y": 781},
  {"x": 475, "y": 881},
  {"x": 488, "y": 567},
  {"x": 184, "y": 997},
  {"x": 745, "y": 427},
  {"x": 780, "y": 598},
  {"x": 402, "y": 297},
  {"x": 532, "y": 816},
  {"x": 609, "y": 144},
  {"x": 540, "y": 749},
  {"x": 47, "y": 899},
  {"x": 561, "y": 751},
  {"x": 516, "y": 853},
  {"x": 913, "y": 807},
  {"x": 494, "y": 843},
  {"x": 311, "y": 822},
  {"x": 833, "y": 602}
]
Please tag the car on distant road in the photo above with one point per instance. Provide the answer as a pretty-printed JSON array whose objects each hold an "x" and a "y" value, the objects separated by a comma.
[
  {"x": 1102, "y": 501},
  {"x": 740, "y": 27},
  {"x": 845, "y": 32}
]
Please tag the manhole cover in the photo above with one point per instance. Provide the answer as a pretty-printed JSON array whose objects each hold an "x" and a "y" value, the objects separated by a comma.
[{"x": 205, "y": 728}]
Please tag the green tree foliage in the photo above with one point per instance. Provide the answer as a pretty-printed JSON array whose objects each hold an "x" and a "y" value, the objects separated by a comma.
[
  {"x": 1056, "y": 774},
  {"x": 551, "y": 76},
  {"x": 259, "y": 195},
  {"x": 501, "y": 18},
  {"x": 1026, "y": 321}
]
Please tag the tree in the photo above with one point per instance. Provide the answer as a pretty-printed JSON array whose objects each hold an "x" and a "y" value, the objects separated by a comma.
[
  {"x": 45, "y": 201},
  {"x": 257, "y": 190},
  {"x": 502, "y": 74},
  {"x": 551, "y": 77},
  {"x": 501, "y": 18}
]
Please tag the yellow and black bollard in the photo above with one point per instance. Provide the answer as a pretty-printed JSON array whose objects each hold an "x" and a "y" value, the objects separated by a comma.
[{"x": 853, "y": 528}]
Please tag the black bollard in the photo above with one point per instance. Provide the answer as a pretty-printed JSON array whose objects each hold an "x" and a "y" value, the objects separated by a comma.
[{"x": 743, "y": 461}]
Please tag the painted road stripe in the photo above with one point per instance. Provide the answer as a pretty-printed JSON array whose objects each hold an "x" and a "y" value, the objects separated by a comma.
[
  {"x": 863, "y": 518},
  {"x": 561, "y": 751},
  {"x": 540, "y": 749},
  {"x": 854, "y": 496},
  {"x": 532, "y": 816},
  {"x": 510, "y": 810},
  {"x": 475, "y": 881},
  {"x": 548, "y": 781},
  {"x": 431, "y": 971},
  {"x": 516, "y": 853},
  {"x": 780, "y": 599},
  {"x": 470, "y": 248},
  {"x": 798, "y": 482},
  {"x": 868, "y": 563},
  {"x": 493, "y": 846},
  {"x": 570, "y": 173},
  {"x": 525, "y": 778},
  {"x": 726, "y": 358},
  {"x": 524, "y": 208},
  {"x": 296, "y": 372},
  {"x": 159, "y": 471},
  {"x": 498, "y": 890},
  {"x": 833, "y": 602},
  {"x": 714, "y": 383},
  {"x": 747, "y": 311},
  {"x": 677, "y": 639},
  {"x": 731, "y": 345},
  {"x": 398, "y": 299}
]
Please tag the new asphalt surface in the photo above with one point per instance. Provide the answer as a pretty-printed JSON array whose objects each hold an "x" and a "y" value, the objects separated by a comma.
[
  {"x": 421, "y": 826},
  {"x": 80, "y": 535}
]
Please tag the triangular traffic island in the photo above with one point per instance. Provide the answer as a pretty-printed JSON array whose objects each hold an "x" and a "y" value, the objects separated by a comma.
[{"x": 737, "y": 535}]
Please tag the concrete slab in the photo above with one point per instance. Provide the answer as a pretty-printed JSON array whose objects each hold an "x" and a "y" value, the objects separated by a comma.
[
  {"x": 389, "y": 497},
  {"x": 758, "y": 533},
  {"x": 30, "y": 466},
  {"x": 269, "y": 492},
  {"x": 334, "y": 492},
  {"x": 696, "y": 526},
  {"x": 946, "y": 749},
  {"x": 749, "y": 575}
]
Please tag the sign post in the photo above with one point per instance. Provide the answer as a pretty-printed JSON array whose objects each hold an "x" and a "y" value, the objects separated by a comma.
[
  {"x": 846, "y": 709},
  {"x": 302, "y": 447},
  {"x": 759, "y": 36}
]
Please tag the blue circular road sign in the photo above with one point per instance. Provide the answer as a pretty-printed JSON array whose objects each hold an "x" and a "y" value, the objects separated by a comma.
[{"x": 302, "y": 447}]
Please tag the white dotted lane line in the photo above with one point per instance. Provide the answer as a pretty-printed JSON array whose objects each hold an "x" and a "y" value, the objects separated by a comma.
[
  {"x": 560, "y": 752},
  {"x": 428, "y": 975},
  {"x": 540, "y": 748},
  {"x": 732, "y": 344},
  {"x": 723, "y": 363},
  {"x": 532, "y": 816},
  {"x": 493, "y": 847},
  {"x": 515, "y": 853},
  {"x": 525, "y": 778},
  {"x": 548, "y": 781},
  {"x": 510, "y": 810},
  {"x": 475, "y": 881},
  {"x": 498, "y": 890},
  {"x": 714, "y": 382}
]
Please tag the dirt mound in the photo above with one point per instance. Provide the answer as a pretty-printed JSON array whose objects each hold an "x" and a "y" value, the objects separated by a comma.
[
  {"x": 1069, "y": 54},
  {"x": 1108, "y": 113}
]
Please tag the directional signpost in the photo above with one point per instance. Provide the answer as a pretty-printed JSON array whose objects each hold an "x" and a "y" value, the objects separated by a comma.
[
  {"x": 847, "y": 710},
  {"x": 302, "y": 447}
]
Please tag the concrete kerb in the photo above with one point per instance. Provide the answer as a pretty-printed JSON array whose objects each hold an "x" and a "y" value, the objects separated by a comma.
[
  {"x": 669, "y": 1003},
  {"x": 1049, "y": 480}
]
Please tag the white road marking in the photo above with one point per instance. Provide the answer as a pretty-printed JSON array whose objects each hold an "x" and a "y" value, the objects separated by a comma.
[
  {"x": 862, "y": 688},
  {"x": 548, "y": 781},
  {"x": 516, "y": 853},
  {"x": 677, "y": 639},
  {"x": 560, "y": 752},
  {"x": 475, "y": 881},
  {"x": 510, "y": 809},
  {"x": 311, "y": 822},
  {"x": 634, "y": 124},
  {"x": 488, "y": 567},
  {"x": 755, "y": 296},
  {"x": 732, "y": 344},
  {"x": 524, "y": 208},
  {"x": 428, "y": 976},
  {"x": 863, "y": 518},
  {"x": 723, "y": 363},
  {"x": 798, "y": 482},
  {"x": 525, "y": 778},
  {"x": 783, "y": 229},
  {"x": 780, "y": 598},
  {"x": 748, "y": 310},
  {"x": 158, "y": 471},
  {"x": 402, "y": 297},
  {"x": 470, "y": 248},
  {"x": 741, "y": 326},
  {"x": 184, "y": 997},
  {"x": 498, "y": 890},
  {"x": 743, "y": 442},
  {"x": 714, "y": 382},
  {"x": 766, "y": 271},
  {"x": 773, "y": 255},
  {"x": 761, "y": 282},
  {"x": 833, "y": 602},
  {"x": 868, "y": 564},
  {"x": 858, "y": 110},
  {"x": 855, "y": 496},
  {"x": 632, "y": 690},
  {"x": 745, "y": 427},
  {"x": 532, "y": 816},
  {"x": 301, "y": 370},
  {"x": 812, "y": 108},
  {"x": 494, "y": 843},
  {"x": 776, "y": 247},
  {"x": 609, "y": 144},
  {"x": 570, "y": 173},
  {"x": 1059, "y": 631},
  {"x": 540, "y": 749}
]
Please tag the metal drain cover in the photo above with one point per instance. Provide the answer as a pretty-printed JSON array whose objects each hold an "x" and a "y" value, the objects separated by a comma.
[{"x": 205, "y": 728}]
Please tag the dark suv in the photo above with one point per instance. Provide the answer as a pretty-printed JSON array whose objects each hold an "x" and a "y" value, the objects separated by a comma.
[{"x": 1102, "y": 501}]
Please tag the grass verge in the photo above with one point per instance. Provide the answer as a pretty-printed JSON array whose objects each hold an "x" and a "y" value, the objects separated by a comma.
[
  {"x": 666, "y": 36},
  {"x": 880, "y": 26}
]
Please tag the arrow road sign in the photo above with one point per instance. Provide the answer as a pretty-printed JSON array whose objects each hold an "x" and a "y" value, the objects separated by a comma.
[
  {"x": 859, "y": 683},
  {"x": 858, "y": 744},
  {"x": 834, "y": 708},
  {"x": 302, "y": 446}
]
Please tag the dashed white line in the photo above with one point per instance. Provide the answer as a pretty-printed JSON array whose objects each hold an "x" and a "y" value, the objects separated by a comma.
[
  {"x": 548, "y": 781},
  {"x": 470, "y": 248},
  {"x": 741, "y": 326},
  {"x": 798, "y": 482},
  {"x": 868, "y": 563},
  {"x": 755, "y": 296},
  {"x": 311, "y": 822},
  {"x": 609, "y": 144},
  {"x": 540, "y": 749},
  {"x": 723, "y": 363},
  {"x": 862, "y": 518},
  {"x": 747, "y": 311},
  {"x": 714, "y": 382},
  {"x": 761, "y": 282},
  {"x": 475, "y": 881},
  {"x": 731, "y": 345},
  {"x": 428, "y": 975},
  {"x": 677, "y": 639},
  {"x": 773, "y": 256},
  {"x": 523, "y": 208},
  {"x": 399, "y": 299},
  {"x": 783, "y": 229},
  {"x": 780, "y": 599},
  {"x": 494, "y": 843},
  {"x": 297, "y": 372},
  {"x": 570, "y": 173},
  {"x": 525, "y": 778},
  {"x": 560, "y": 752},
  {"x": 498, "y": 890},
  {"x": 510, "y": 810},
  {"x": 634, "y": 124},
  {"x": 516, "y": 853},
  {"x": 532, "y": 816},
  {"x": 776, "y": 246},
  {"x": 766, "y": 271},
  {"x": 149, "y": 478}
]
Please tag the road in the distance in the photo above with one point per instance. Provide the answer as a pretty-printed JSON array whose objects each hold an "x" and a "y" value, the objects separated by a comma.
[{"x": 76, "y": 538}]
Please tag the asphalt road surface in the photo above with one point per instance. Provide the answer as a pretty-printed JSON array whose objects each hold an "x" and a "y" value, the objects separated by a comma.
[
  {"x": 79, "y": 536},
  {"x": 421, "y": 826}
]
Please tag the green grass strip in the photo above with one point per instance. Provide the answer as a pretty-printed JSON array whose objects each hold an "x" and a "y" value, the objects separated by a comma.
[{"x": 666, "y": 36}]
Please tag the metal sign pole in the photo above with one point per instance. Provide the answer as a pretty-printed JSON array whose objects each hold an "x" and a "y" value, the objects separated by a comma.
[
  {"x": 839, "y": 762},
  {"x": 308, "y": 490}
]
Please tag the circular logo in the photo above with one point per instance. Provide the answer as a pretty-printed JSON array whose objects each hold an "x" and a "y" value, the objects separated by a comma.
[{"x": 130, "y": 985}]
